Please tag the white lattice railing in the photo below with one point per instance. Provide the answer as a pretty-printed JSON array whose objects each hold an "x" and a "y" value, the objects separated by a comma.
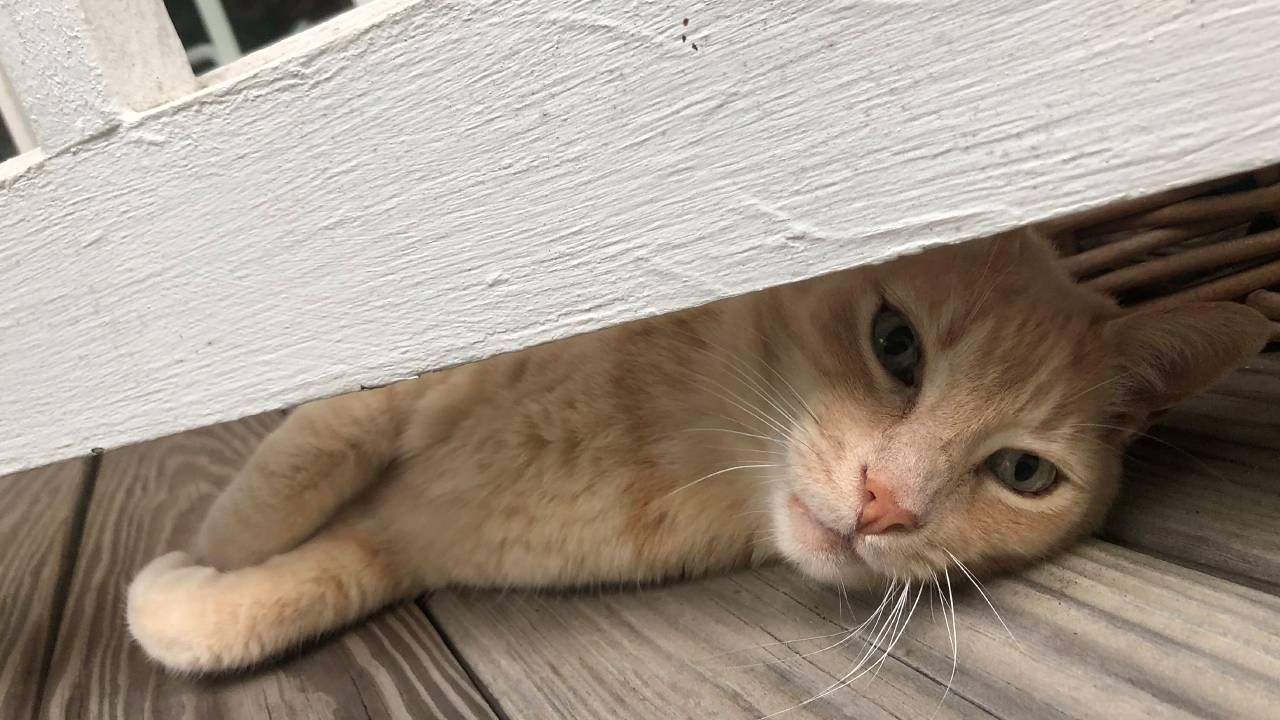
[{"x": 416, "y": 184}]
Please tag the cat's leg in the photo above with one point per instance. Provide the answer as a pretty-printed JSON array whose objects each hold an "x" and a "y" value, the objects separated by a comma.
[
  {"x": 193, "y": 618},
  {"x": 321, "y": 457}
]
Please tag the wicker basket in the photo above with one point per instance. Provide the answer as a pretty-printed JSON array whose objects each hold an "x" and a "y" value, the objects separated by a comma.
[{"x": 1219, "y": 240}]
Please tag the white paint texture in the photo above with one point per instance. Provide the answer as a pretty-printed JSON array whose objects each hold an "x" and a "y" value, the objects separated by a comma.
[
  {"x": 433, "y": 183},
  {"x": 77, "y": 64}
]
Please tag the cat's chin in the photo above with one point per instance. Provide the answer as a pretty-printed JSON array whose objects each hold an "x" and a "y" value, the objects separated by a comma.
[
  {"x": 847, "y": 571},
  {"x": 816, "y": 549}
]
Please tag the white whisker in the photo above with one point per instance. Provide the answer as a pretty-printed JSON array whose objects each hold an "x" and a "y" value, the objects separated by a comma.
[
  {"x": 845, "y": 636},
  {"x": 952, "y": 635},
  {"x": 1090, "y": 389},
  {"x": 741, "y": 369},
  {"x": 987, "y": 599},
  {"x": 713, "y": 474},
  {"x": 735, "y": 432},
  {"x": 973, "y": 310},
  {"x": 745, "y": 405},
  {"x": 790, "y": 387},
  {"x": 749, "y": 450},
  {"x": 894, "y": 643},
  {"x": 843, "y": 599},
  {"x": 887, "y": 627}
]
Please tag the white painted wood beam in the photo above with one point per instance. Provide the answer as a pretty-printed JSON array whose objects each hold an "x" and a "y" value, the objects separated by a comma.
[
  {"x": 76, "y": 65},
  {"x": 425, "y": 184}
]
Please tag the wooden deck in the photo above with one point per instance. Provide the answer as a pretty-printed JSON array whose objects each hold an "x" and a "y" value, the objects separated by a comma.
[{"x": 1173, "y": 612}]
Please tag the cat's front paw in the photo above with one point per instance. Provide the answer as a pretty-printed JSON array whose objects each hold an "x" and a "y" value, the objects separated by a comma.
[{"x": 163, "y": 613}]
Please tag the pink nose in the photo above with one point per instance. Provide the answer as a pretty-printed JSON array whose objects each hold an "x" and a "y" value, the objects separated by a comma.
[{"x": 881, "y": 512}]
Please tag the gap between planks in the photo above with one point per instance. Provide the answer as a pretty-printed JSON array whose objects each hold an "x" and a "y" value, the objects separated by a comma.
[
  {"x": 66, "y": 570},
  {"x": 41, "y": 512},
  {"x": 149, "y": 499}
]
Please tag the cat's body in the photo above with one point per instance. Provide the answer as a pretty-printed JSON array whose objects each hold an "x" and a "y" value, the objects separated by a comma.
[{"x": 771, "y": 425}]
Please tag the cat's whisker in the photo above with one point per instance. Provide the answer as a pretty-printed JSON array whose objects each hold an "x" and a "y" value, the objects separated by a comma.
[
  {"x": 750, "y": 450},
  {"x": 735, "y": 432},
  {"x": 933, "y": 620},
  {"x": 754, "y": 409},
  {"x": 843, "y": 599},
  {"x": 746, "y": 407},
  {"x": 887, "y": 632},
  {"x": 845, "y": 636},
  {"x": 753, "y": 648},
  {"x": 765, "y": 535},
  {"x": 1091, "y": 388},
  {"x": 894, "y": 642},
  {"x": 710, "y": 475},
  {"x": 768, "y": 366},
  {"x": 973, "y": 579},
  {"x": 725, "y": 356},
  {"x": 890, "y": 622},
  {"x": 788, "y": 384},
  {"x": 973, "y": 312},
  {"x": 741, "y": 368},
  {"x": 986, "y": 268},
  {"x": 773, "y": 397},
  {"x": 952, "y": 635}
]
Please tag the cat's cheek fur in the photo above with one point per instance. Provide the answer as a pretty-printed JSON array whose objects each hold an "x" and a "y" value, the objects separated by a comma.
[{"x": 994, "y": 529}]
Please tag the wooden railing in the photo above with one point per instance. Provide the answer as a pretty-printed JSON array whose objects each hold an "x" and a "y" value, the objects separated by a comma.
[{"x": 416, "y": 184}]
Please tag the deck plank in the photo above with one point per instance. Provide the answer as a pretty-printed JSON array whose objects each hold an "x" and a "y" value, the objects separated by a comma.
[
  {"x": 661, "y": 653},
  {"x": 37, "y": 508},
  {"x": 1101, "y": 627},
  {"x": 148, "y": 499},
  {"x": 1205, "y": 488}
]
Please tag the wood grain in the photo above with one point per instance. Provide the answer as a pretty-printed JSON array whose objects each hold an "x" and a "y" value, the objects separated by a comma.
[
  {"x": 147, "y": 500},
  {"x": 1205, "y": 488},
  {"x": 1102, "y": 632},
  {"x": 663, "y": 652},
  {"x": 37, "y": 511}
]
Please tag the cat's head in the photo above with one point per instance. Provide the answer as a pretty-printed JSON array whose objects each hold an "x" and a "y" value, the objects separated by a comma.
[{"x": 973, "y": 400}]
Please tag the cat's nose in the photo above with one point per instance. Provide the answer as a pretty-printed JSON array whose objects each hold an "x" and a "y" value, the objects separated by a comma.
[{"x": 881, "y": 512}]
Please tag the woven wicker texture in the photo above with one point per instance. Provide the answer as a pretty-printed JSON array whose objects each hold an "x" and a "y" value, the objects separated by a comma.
[{"x": 1219, "y": 240}]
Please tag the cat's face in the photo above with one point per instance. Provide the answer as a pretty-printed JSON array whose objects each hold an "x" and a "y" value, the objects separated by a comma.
[{"x": 973, "y": 402}]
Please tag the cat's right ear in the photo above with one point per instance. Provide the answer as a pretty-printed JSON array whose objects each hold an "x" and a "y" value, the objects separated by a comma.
[{"x": 1164, "y": 355}]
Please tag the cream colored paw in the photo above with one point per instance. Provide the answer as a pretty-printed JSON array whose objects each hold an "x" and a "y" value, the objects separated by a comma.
[{"x": 172, "y": 614}]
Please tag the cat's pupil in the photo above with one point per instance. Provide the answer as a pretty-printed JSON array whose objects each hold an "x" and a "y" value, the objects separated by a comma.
[
  {"x": 898, "y": 341},
  {"x": 1025, "y": 468},
  {"x": 895, "y": 345},
  {"x": 1024, "y": 472}
]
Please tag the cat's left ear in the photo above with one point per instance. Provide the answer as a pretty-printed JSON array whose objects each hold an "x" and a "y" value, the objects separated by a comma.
[{"x": 1166, "y": 354}]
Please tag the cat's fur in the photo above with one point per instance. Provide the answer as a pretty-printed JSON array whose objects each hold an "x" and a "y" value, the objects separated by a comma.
[{"x": 580, "y": 461}]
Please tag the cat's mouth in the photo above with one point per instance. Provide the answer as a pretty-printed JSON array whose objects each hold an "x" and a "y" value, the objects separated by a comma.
[
  {"x": 818, "y": 549},
  {"x": 812, "y": 533}
]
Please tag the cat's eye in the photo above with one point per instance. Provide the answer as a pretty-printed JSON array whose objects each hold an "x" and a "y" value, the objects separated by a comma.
[
  {"x": 1022, "y": 471},
  {"x": 896, "y": 345}
]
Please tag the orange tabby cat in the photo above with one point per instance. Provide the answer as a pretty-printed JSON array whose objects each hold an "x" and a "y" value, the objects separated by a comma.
[{"x": 966, "y": 404}]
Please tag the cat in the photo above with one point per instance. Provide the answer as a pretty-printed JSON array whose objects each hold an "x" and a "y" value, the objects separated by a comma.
[{"x": 968, "y": 404}]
